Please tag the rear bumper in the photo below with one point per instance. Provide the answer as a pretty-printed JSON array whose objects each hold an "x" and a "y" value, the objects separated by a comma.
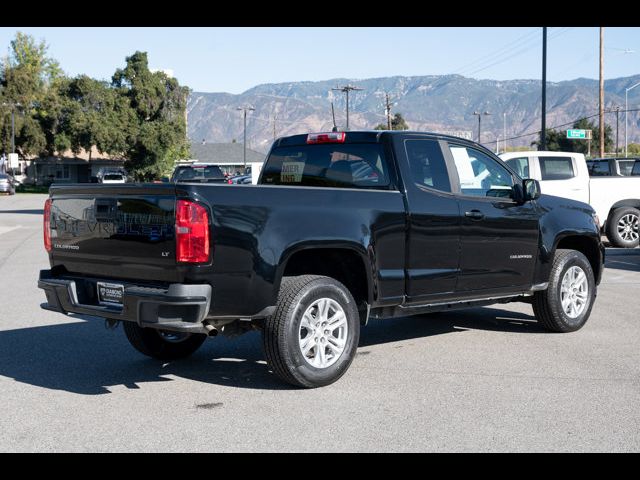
[{"x": 178, "y": 307}]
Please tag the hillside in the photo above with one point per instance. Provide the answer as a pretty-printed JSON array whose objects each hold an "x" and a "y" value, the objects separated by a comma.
[{"x": 434, "y": 103}]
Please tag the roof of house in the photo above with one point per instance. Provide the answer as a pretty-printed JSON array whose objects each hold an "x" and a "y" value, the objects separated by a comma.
[
  {"x": 80, "y": 158},
  {"x": 224, "y": 153}
]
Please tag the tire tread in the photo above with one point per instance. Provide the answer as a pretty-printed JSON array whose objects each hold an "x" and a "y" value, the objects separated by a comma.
[
  {"x": 547, "y": 311},
  {"x": 274, "y": 326}
]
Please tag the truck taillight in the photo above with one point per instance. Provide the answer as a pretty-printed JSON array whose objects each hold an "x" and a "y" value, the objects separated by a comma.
[
  {"x": 46, "y": 225},
  {"x": 192, "y": 232},
  {"x": 331, "y": 137}
]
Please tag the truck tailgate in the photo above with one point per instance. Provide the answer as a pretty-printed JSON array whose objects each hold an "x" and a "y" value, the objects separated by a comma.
[{"x": 123, "y": 231}]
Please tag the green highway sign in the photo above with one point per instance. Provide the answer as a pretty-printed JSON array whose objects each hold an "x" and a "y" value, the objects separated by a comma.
[{"x": 579, "y": 134}]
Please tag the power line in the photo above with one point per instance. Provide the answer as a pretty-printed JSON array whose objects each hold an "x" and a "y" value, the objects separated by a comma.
[
  {"x": 537, "y": 132},
  {"x": 530, "y": 45},
  {"x": 496, "y": 53}
]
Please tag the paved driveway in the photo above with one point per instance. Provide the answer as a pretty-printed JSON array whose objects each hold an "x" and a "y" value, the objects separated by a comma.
[{"x": 486, "y": 379}]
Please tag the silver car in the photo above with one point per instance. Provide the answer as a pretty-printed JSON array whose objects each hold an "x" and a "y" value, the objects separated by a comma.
[{"x": 7, "y": 184}]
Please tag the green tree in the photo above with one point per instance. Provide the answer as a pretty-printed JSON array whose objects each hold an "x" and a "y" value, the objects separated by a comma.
[
  {"x": 156, "y": 136},
  {"x": 94, "y": 114},
  {"x": 397, "y": 123},
  {"x": 633, "y": 149},
  {"x": 27, "y": 81}
]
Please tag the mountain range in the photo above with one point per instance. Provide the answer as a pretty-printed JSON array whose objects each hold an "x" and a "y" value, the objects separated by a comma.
[{"x": 441, "y": 103}]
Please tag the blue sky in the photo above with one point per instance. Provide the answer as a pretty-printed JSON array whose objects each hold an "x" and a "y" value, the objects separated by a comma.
[{"x": 234, "y": 59}]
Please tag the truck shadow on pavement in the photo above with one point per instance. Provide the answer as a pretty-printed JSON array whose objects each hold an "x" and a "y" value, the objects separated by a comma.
[
  {"x": 623, "y": 259},
  {"x": 83, "y": 358}
]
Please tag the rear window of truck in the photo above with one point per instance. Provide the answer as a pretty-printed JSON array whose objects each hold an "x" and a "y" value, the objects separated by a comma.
[
  {"x": 190, "y": 173},
  {"x": 556, "y": 168},
  {"x": 328, "y": 165},
  {"x": 598, "y": 168}
]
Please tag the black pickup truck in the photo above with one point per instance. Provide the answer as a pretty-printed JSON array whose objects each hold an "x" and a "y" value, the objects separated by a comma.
[{"x": 342, "y": 227}]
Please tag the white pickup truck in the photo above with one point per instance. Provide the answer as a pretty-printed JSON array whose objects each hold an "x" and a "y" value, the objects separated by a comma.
[{"x": 616, "y": 199}]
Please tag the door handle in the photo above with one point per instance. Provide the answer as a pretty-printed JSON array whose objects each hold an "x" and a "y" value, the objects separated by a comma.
[{"x": 474, "y": 214}]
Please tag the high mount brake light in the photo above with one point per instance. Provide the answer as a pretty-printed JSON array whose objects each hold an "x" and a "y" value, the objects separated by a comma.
[
  {"x": 192, "y": 232},
  {"x": 46, "y": 225},
  {"x": 331, "y": 137}
]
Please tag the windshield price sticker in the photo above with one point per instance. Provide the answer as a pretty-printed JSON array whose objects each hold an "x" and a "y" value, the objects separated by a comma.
[{"x": 291, "y": 172}]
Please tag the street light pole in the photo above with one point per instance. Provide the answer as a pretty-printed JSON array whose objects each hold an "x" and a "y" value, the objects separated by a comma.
[
  {"x": 244, "y": 143},
  {"x": 601, "y": 89},
  {"x": 479, "y": 114},
  {"x": 13, "y": 123},
  {"x": 543, "y": 134},
  {"x": 13, "y": 131},
  {"x": 626, "y": 113},
  {"x": 617, "y": 116}
]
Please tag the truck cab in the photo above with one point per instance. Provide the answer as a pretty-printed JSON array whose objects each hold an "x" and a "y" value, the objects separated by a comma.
[{"x": 563, "y": 174}]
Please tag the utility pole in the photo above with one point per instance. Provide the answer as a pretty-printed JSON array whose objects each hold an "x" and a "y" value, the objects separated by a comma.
[
  {"x": 346, "y": 89},
  {"x": 601, "y": 113},
  {"x": 543, "y": 135},
  {"x": 244, "y": 143},
  {"x": 479, "y": 114},
  {"x": 275, "y": 117},
  {"x": 504, "y": 137},
  {"x": 388, "y": 111}
]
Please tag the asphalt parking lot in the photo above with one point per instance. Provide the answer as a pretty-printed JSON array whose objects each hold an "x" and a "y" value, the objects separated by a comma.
[{"x": 486, "y": 379}]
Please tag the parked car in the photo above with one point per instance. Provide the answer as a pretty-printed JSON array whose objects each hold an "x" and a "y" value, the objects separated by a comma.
[
  {"x": 240, "y": 179},
  {"x": 198, "y": 172},
  {"x": 616, "y": 199},
  {"x": 113, "y": 178},
  {"x": 7, "y": 184},
  {"x": 312, "y": 252},
  {"x": 612, "y": 167}
]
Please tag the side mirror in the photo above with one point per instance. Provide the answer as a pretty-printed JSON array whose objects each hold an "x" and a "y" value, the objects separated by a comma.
[{"x": 531, "y": 189}]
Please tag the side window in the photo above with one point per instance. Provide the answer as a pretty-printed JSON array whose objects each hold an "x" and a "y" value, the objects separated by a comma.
[
  {"x": 427, "y": 164},
  {"x": 520, "y": 165},
  {"x": 480, "y": 175},
  {"x": 556, "y": 168},
  {"x": 636, "y": 168},
  {"x": 598, "y": 168},
  {"x": 625, "y": 167}
]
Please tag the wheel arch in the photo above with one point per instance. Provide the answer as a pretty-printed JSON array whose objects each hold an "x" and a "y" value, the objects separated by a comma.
[
  {"x": 627, "y": 202},
  {"x": 590, "y": 247},
  {"x": 346, "y": 262}
]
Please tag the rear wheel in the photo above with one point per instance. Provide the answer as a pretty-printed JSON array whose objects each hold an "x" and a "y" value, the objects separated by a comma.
[
  {"x": 622, "y": 227},
  {"x": 312, "y": 337},
  {"x": 566, "y": 304},
  {"x": 162, "y": 344}
]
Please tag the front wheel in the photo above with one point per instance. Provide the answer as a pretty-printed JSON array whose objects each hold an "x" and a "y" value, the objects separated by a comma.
[
  {"x": 162, "y": 344},
  {"x": 566, "y": 304},
  {"x": 312, "y": 337},
  {"x": 622, "y": 227}
]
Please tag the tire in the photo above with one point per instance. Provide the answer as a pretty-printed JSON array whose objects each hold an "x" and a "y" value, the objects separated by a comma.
[
  {"x": 162, "y": 344},
  {"x": 285, "y": 334},
  {"x": 548, "y": 304},
  {"x": 622, "y": 227}
]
